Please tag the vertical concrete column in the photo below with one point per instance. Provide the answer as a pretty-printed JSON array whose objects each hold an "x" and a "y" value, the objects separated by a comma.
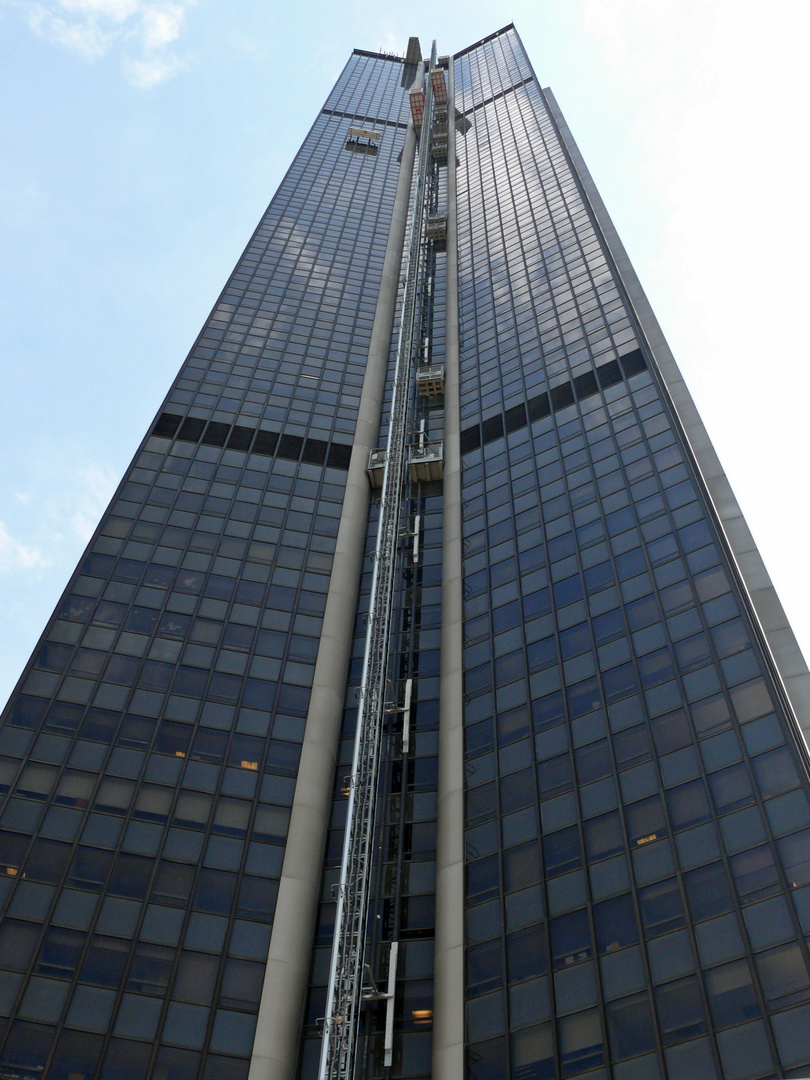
[
  {"x": 281, "y": 1010},
  {"x": 448, "y": 1007}
]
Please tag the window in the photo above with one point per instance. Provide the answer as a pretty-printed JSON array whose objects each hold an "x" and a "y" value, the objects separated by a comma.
[
  {"x": 732, "y": 998},
  {"x": 570, "y": 939},
  {"x": 604, "y": 836},
  {"x": 680, "y": 1010},
  {"x": 561, "y": 851},
  {"x": 615, "y": 922},
  {"x": 661, "y": 907},
  {"x": 527, "y": 953},
  {"x": 688, "y": 805},
  {"x": 755, "y": 873},
  {"x": 645, "y": 821},
  {"x": 630, "y": 1026},
  {"x": 484, "y": 968}
]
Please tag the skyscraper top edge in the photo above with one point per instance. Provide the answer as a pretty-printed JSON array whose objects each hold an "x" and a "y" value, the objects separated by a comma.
[
  {"x": 484, "y": 40},
  {"x": 394, "y": 58},
  {"x": 379, "y": 55}
]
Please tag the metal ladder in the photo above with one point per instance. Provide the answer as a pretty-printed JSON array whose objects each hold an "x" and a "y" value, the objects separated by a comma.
[{"x": 341, "y": 1020}]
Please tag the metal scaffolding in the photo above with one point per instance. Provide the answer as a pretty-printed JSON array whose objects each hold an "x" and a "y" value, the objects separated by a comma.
[{"x": 344, "y": 990}]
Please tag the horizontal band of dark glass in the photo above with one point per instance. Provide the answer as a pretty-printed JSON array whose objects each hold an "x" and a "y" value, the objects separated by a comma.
[
  {"x": 558, "y": 397},
  {"x": 500, "y": 94},
  {"x": 483, "y": 41},
  {"x": 376, "y": 120},
  {"x": 357, "y": 147},
  {"x": 379, "y": 56},
  {"x": 335, "y": 455}
]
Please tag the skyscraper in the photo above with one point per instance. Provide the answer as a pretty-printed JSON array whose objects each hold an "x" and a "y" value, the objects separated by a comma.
[{"x": 424, "y": 618}]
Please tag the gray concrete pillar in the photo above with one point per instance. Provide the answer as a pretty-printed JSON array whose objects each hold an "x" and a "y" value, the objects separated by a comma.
[{"x": 448, "y": 1000}]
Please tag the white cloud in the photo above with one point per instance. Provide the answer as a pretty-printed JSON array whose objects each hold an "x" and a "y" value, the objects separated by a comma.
[
  {"x": 148, "y": 71},
  {"x": 16, "y": 556},
  {"x": 144, "y": 29},
  {"x": 85, "y": 36},
  {"x": 117, "y": 10},
  {"x": 162, "y": 25}
]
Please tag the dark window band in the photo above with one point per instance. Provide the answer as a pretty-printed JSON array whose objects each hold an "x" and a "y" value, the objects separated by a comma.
[
  {"x": 375, "y": 121},
  {"x": 335, "y": 455},
  {"x": 556, "y": 398}
]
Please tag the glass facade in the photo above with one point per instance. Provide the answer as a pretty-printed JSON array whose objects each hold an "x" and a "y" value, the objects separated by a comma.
[
  {"x": 637, "y": 811},
  {"x": 638, "y": 853}
]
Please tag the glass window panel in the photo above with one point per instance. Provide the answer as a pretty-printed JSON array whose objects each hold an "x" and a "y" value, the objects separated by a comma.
[
  {"x": 631, "y": 746},
  {"x": 755, "y": 873},
  {"x": 794, "y": 851},
  {"x": 522, "y": 866},
  {"x": 533, "y": 1053},
  {"x": 153, "y": 803},
  {"x": 75, "y": 789},
  {"x": 242, "y": 984},
  {"x": 131, "y": 876},
  {"x": 527, "y": 953},
  {"x": 561, "y": 851},
  {"x": 570, "y": 938},
  {"x": 688, "y": 805},
  {"x": 231, "y": 817},
  {"x": 554, "y": 775},
  {"x": 484, "y": 968},
  {"x": 732, "y": 997},
  {"x": 173, "y": 1064},
  {"x": 487, "y": 1061},
  {"x": 661, "y": 907},
  {"x": 745, "y": 1052},
  {"x": 47, "y": 861},
  {"x": 18, "y": 941},
  {"x": 593, "y": 761},
  {"x": 151, "y": 969},
  {"x": 192, "y": 810},
  {"x": 630, "y": 1026},
  {"x": 215, "y": 889},
  {"x": 60, "y": 952},
  {"x": 126, "y": 1060},
  {"x": 645, "y": 820},
  {"x": 731, "y": 788},
  {"x": 196, "y": 978},
  {"x": 783, "y": 974},
  {"x": 691, "y": 1059},
  {"x": 580, "y": 1042},
  {"x": 105, "y": 961},
  {"x": 671, "y": 731},
  {"x": 76, "y": 1056},
  {"x": 173, "y": 883},
  {"x": 775, "y": 772},
  {"x": 707, "y": 891},
  {"x": 604, "y": 836},
  {"x": 680, "y": 1010},
  {"x": 615, "y": 922}
]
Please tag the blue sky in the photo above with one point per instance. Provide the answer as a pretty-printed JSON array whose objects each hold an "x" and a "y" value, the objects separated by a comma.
[{"x": 142, "y": 139}]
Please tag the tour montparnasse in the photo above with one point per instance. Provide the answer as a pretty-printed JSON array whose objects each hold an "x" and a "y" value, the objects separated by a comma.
[{"x": 421, "y": 706}]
